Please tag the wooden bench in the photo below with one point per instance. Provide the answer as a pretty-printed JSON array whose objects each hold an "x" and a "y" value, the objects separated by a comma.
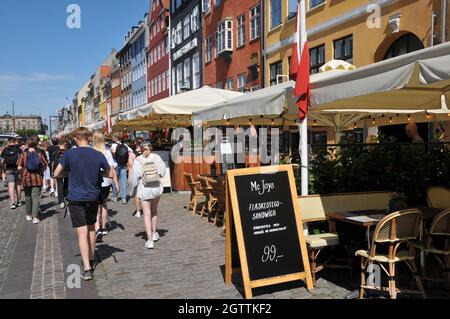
[{"x": 316, "y": 208}]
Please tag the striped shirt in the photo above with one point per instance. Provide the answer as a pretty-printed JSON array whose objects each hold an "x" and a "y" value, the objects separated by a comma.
[{"x": 32, "y": 179}]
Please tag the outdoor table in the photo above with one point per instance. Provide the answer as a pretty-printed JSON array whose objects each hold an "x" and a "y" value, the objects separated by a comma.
[{"x": 364, "y": 218}]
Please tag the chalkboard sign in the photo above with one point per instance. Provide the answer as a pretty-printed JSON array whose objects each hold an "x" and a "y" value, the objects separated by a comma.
[{"x": 264, "y": 217}]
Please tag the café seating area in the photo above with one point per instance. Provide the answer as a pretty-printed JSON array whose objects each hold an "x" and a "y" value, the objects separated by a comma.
[{"x": 362, "y": 226}]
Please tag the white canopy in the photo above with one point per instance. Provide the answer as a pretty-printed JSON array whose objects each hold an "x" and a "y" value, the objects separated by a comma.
[{"x": 183, "y": 103}]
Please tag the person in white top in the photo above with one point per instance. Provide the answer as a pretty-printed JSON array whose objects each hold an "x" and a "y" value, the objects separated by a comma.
[
  {"x": 98, "y": 144},
  {"x": 145, "y": 167}
]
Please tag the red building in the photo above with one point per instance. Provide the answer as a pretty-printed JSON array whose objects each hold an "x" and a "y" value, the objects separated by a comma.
[
  {"x": 232, "y": 45},
  {"x": 158, "y": 51}
]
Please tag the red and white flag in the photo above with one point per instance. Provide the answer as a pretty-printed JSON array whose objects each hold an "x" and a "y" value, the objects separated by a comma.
[{"x": 300, "y": 67}]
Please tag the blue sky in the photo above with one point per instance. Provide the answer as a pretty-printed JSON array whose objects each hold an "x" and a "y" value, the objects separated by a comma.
[{"x": 42, "y": 61}]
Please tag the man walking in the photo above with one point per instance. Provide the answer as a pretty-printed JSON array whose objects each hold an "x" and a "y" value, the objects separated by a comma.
[
  {"x": 121, "y": 154},
  {"x": 84, "y": 193},
  {"x": 10, "y": 156}
]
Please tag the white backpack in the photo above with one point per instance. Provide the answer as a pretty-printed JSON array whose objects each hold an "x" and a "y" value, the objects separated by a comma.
[{"x": 151, "y": 174}]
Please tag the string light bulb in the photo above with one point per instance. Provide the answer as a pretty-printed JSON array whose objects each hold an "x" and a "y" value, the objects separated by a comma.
[
  {"x": 356, "y": 126},
  {"x": 390, "y": 120},
  {"x": 428, "y": 116},
  {"x": 273, "y": 121},
  {"x": 409, "y": 118},
  {"x": 315, "y": 122},
  {"x": 228, "y": 122},
  {"x": 373, "y": 122}
]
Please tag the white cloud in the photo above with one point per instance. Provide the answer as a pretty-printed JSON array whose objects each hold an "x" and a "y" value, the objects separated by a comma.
[{"x": 13, "y": 78}]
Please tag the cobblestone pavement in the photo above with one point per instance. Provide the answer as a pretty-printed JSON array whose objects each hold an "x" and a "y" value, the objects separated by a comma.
[{"x": 187, "y": 263}]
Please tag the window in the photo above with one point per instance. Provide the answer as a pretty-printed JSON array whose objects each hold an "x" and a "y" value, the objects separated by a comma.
[
  {"x": 174, "y": 89},
  {"x": 187, "y": 27},
  {"x": 315, "y": 3},
  {"x": 196, "y": 71},
  {"x": 208, "y": 49},
  {"x": 343, "y": 49},
  {"x": 178, "y": 3},
  {"x": 255, "y": 22},
  {"x": 218, "y": 3},
  {"x": 178, "y": 34},
  {"x": 242, "y": 81},
  {"x": 224, "y": 36},
  {"x": 187, "y": 73},
  {"x": 241, "y": 30},
  {"x": 275, "y": 70},
  {"x": 229, "y": 84},
  {"x": 179, "y": 77},
  {"x": 164, "y": 81},
  {"x": 206, "y": 6},
  {"x": 194, "y": 19},
  {"x": 275, "y": 13},
  {"x": 317, "y": 55},
  {"x": 159, "y": 84},
  {"x": 292, "y": 9}
]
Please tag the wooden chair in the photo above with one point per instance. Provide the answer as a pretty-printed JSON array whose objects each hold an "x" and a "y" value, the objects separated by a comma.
[
  {"x": 218, "y": 192},
  {"x": 195, "y": 193},
  {"x": 312, "y": 210},
  {"x": 210, "y": 200},
  {"x": 395, "y": 230},
  {"x": 438, "y": 197},
  {"x": 439, "y": 230}
]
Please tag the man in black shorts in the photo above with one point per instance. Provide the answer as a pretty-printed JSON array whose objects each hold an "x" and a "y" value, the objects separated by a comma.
[{"x": 84, "y": 193}]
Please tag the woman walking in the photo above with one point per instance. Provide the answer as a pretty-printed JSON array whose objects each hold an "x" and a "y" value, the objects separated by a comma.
[
  {"x": 31, "y": 165},
  {"x": 146, "y": 173},
  {"x": 98, "y": 142},
  {"x": 46, "y": 186}
]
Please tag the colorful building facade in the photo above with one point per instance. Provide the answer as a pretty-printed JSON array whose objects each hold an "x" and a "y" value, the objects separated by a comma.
[
  {"x": 232, "y": 45},
  {"x": 186, "y": 45},
  {"x": 139, "y": 44},
  {"x": 158, "y": 53}
]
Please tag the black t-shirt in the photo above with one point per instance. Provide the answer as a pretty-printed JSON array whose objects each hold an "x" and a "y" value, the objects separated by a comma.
[{"x": 52, "y": 149}]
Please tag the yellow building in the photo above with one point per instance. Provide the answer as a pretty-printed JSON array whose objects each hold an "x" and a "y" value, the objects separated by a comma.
[
  {"x": 82, "y": 103},
  {"x": 356, "y": 31},
  {"x": 353, "y": 30}
]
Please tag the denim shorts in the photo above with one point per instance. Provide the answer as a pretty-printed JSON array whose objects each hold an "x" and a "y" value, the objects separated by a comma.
[{"x": 12, "y": 176}]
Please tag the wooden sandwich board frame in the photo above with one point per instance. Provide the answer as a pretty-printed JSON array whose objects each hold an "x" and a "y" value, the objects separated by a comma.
[{"x": 233, "y": 224}]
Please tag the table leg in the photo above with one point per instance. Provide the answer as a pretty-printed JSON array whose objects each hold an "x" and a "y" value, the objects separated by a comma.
[{"x": 368, "y": 237}]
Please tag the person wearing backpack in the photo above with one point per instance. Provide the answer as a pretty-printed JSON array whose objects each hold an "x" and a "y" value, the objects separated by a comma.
[
  {"x": 121, "y": 154},
  {"x": 62, "y": 181},
  {"x": 31, "y": 166},
  {"x": 137, "y": 151},
  {"x": 10, "y": 156},
  {"x": 146, "y": 174}
]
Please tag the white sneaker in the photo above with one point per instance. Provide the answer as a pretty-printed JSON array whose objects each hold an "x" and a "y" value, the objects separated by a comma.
[
  {"x": 36, "y": 221},
  {"x": 29, "y": 218},
  {"x": 155, "y": 236},
  {"x": 63, "y": 205},
  {"x": 56, "y": 194},
  {"x": 138, "y": 214},
  {"x": 149, "y": 244}
]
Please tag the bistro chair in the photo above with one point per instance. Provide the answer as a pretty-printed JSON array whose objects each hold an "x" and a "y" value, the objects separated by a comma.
[
  {"x": 210, "y": 200},
  {"x": 398, "y": 231},
  {"x": 312, "y": 210},
  {"x": 218, "y": 192},
  {"x": 195, "y": 193},
  {"x": 438, "y": 197},
  {"x": 437, "y": 242}
]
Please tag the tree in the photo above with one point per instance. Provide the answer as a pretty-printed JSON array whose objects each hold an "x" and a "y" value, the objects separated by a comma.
[{"x": 27, "y": 133}]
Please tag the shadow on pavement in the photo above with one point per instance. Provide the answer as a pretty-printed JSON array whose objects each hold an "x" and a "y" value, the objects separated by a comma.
[
  {"x": 47, "y": 214},
  {"x": 143, "y": 234},
  {"x": 105, "y": 251}
]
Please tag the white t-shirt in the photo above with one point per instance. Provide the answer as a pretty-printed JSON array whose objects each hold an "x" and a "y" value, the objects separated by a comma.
[{"x": 109, "y": 158}]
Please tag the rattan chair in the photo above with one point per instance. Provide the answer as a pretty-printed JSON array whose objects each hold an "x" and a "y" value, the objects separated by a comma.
[
  {"x": 210, "y": 200},
  {"x": 439, "y": 231},
  {"x": 195, "y": 193},
  {"x": 438, "y": 197},
  {"x": 398, "y": 231}
]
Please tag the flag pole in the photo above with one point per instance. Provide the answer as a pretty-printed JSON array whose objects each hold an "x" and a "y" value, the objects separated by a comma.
[{"x": 303, "y": 125}]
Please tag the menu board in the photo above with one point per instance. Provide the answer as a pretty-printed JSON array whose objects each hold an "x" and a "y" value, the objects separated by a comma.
[{"x": 266, "y": 222}]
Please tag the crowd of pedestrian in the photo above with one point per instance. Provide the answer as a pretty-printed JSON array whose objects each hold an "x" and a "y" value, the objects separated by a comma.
[{"x": 83, "y": 171}]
